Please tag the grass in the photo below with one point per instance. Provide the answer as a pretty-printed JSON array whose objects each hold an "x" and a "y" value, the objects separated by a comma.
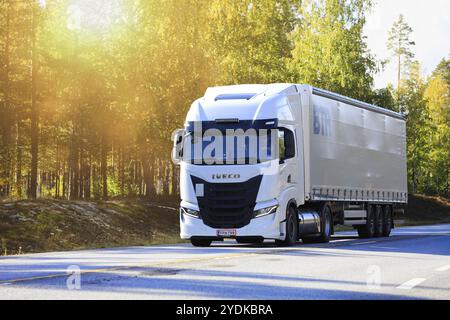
[
  {"x": 53, "y": 225},
  {"x": 424, "y": 210}
]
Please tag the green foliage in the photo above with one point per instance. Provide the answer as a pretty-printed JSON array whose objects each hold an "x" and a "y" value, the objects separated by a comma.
[
  {"x": 418, "y": 134},
  {"x": 329, "y": 47},
  {"x": 251, "y": 39},
  {"x": 384, "y": 98},
  {"x": 428, "y": 127},
  {"x": 437, "y": 94},
  {"x": 443, "y": 70},
  {"x": 109, "y": 95}
]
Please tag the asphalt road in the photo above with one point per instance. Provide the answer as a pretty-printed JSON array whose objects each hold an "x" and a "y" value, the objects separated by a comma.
[{"x": 413, "y": 264}]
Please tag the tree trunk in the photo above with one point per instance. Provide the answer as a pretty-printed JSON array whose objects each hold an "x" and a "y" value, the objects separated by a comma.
[
  {"x": 104, "y": 168},
  {"x": 34, "y": 111},
  {"x": 446, "y": 182},
  {"x": 148, "y": 172},
  {"x": 87, "y": 192},
  {"x": 6, "y": 112},
  {"x": 399, "y": 73},
  {"x": 168, "y": 172},
  {"x": 174, "y": 179},
  {"x": 121, "y": 171},
  {"x": 64, "y": 181},
  {"x": 19, "y": 161},
  {"x": 74, "y": 165}
]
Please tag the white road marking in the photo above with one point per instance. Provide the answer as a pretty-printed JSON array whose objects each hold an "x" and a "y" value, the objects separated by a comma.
[
  {"x": 444, "y": 268},
  {"x": 408, "y": 285}
]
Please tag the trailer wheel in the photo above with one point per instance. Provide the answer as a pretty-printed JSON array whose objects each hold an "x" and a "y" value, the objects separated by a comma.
[
  {"x": 368, "y": 230},
  {"x": 196, "y": 242},
  {"x": 387, "y": 221},
  {"x": 326, "y": 227},
  {"x": 291, "y": 229},
  {"x": 379, "y": 221}
]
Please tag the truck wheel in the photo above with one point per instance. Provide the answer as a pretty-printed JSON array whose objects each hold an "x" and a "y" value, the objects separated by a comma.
[
  {"x": 387, "y": 221},
  {"x": 326, "y": 225},
  {"x": 368, "y": 230},
  {"x": 379, "y": 221},
  {"x": 200, "y": 242},
  {"x": 291, "y": 229}
]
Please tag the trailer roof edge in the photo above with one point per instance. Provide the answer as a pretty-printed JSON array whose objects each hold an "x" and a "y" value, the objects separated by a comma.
[{"x": 357, "y": 103}]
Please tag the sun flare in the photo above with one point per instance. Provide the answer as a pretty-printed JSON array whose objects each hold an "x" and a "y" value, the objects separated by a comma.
[{"x": 94, "y": 15}]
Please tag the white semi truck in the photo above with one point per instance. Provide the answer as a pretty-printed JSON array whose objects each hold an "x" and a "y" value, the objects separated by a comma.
[{"x": 295, "y": 162}]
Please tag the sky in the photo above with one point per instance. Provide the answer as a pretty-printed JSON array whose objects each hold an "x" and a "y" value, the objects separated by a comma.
[{"x": 430, "y": 21}]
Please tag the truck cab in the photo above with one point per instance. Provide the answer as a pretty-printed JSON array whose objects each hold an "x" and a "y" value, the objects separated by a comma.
[{"x": 246, "y": 193}]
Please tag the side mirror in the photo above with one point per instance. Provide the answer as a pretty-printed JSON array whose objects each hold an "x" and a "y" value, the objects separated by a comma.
[
  {"x": 289, "y": 140},
  {"x": 177, "y": 149},
  {"x": 286, "y": 144}
]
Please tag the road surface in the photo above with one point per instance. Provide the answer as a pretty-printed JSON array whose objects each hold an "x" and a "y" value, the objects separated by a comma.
[{"x": 413, "y": 264}]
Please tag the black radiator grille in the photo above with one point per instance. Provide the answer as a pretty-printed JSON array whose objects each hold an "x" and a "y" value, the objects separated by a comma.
[{"x": 228, "y": 205}]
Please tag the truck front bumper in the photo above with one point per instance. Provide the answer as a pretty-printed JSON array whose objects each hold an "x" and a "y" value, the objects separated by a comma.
[{"x": 267, "y": 227}]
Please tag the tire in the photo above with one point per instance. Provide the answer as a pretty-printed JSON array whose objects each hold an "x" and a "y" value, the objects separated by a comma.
[
  {"x": 379, "y": 221},
  {"x": 326, "y": 227},
  {"x": 291, "y": 229},
  {"x": 201, "y": 242},
  {"x": 368, "y": 230},
  {"x": 387, "y": 223}
]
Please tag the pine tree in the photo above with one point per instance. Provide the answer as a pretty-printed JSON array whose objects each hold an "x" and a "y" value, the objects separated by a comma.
[{"x": 400, "y": 44}]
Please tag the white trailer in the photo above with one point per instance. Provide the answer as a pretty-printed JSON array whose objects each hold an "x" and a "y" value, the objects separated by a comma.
[{"x": 337, "y": 161}]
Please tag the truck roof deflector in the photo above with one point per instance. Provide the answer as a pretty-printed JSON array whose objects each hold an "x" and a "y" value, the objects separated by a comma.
[{"x": 235, "y": 96}]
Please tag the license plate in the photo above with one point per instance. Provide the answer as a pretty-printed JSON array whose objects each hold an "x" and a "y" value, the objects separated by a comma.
[{"x": 226, "y": 233}]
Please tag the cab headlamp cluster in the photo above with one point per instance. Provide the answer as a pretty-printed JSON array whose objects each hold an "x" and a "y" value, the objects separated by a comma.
[
  {"x": 265, "y": 211},
  {"x": 190, "y": 212},
  {"x": 256, "y": 214}
]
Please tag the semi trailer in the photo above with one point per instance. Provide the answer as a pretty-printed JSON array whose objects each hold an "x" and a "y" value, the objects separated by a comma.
[{"x": 287, "y": 162}]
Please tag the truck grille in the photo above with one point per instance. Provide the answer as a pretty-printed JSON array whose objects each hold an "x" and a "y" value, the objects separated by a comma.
[{"x": 227, "y": 205}]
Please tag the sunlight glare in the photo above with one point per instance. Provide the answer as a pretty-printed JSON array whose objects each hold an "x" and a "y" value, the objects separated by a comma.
[{"x": 94, "y": 15}]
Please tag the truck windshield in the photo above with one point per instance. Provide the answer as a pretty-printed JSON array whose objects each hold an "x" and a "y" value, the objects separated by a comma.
[{"x": 231, "y": 142}]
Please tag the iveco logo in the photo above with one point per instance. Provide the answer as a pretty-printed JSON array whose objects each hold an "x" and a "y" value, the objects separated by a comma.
[{"x": 225, "y": 176}]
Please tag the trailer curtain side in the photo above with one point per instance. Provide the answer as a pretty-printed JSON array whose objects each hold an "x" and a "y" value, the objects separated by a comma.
[{"x": 357, "y": 152}]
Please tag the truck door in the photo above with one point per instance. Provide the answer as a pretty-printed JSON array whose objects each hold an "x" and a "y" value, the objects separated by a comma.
[{"x": 287, "y": 154}]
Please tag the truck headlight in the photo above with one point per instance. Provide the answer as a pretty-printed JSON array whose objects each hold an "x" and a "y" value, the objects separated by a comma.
[
  {"x": 264, "y": 212},
  {"x": 190, "y": 212}
]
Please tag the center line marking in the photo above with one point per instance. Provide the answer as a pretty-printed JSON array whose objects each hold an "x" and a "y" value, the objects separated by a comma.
[
  {"x": 444, "y": 268},
  {"x": 408, "y": 285}
]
